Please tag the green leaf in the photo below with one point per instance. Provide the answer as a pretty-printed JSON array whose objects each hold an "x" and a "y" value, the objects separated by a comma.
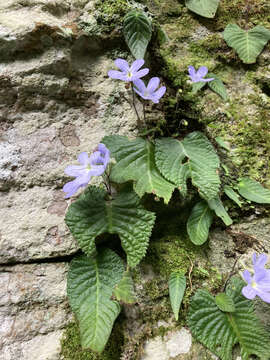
[
  {"x": 198, "y": 86},
  {"x": 89, "y": 287},
  {"x": 199, "y": 222},
  {"x": 253, "y": 191},
  {"x": 247, "y": 44},
  {"x": 201, "y": 167},
  {"x": 216, "y": 205},
  {"x": 219, "y": 331},
  {"x": 232, "y": 195},
  {"x": 224, "y": 302},
  {"x": 177, "y": 287},
  {"x": 222, "y": 143},
  {"x": 91, "y": 215},
  {"x": 217, "y": 86},
  {"x": 124, "y": 290},
  {"x": 162, "y": 36},
  {"x": 137, "y": 32},
  {"x": 136, "y": 161},
  {"x": 206, "y": 8}
]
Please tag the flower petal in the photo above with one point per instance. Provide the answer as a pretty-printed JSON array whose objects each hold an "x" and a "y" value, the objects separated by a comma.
[
  {"x": 140, "y": 93},
  {"x": 136, "y": 65},
  {"x": 160, "y": 92},
  {"x": 249, "y": 292},
  {"x": 260, "y": 261},
  {"x": 105, "y": 152},
  {"x": 260, "y": 274},
  {"x": 264, "y": 295},
  {"x": 114, "y": 74},
  {"x": 97, "y": 170},
  {"x": 83, "y": 158},
  {"x": 140, "y": 86},
  {"x": 153, "y": 84},
  {"x": 202, "y": 71},
  {"x": 75, "y": 170},
  {"x": 191, "y": 70},
  {"x": 122, "y": 64},
  {"x": 247, "y": 276},
  {"x": 140, "y": 74},
  {"x": 71, "y": 188}
]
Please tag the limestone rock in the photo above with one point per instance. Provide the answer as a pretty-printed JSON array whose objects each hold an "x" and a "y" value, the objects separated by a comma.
[{"x": 33, "y": 311}]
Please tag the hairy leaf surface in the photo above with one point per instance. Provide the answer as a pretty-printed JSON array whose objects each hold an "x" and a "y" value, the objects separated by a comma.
[
  {"x": 224, "y": 302},
  {"x": 254, "y": 191},
  {"x": 90, "y": 285},
  {"x": 91, "y": 215},
  {"x": 124, "y": 290},
  {"x": 201, "y": 166},
  {"x": 216, "y": 205},
  {"x": 217, "y": 86},
  {"x": 247, "y": 44},
  {"x": 206, "y": 8},
  {"x": 136, "y": 161},
  {"x": 220, "y": 331},
  {"x": 199, "y": 222},
  {"x": 137, "y": 32},
  {"x": 177, "y": 287}
]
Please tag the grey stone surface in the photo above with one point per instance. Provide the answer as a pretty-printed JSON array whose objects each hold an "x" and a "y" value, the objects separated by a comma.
[{"x": 33, "y": 311}]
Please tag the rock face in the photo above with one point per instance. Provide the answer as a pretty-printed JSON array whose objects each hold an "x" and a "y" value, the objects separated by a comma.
[{"x": 56, "y": 101}]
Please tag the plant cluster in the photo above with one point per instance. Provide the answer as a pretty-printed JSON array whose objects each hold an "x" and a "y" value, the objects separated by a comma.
[{"x": 99, "y": 281}]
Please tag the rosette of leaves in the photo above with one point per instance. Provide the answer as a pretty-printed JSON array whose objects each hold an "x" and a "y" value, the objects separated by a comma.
[
  {"x": 92, "y": 214},
  {"x": 222, "y": 322}
]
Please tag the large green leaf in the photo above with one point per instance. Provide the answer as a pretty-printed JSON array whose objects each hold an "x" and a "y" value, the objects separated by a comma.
[
  {"x": 254, "y": 191},
  {"x": 247, "y": 44},
  {"x": 216, "y": 205},
  {"x": 137, "y": 32},
  {"x": 217, "y": 86},
  {"x": 124, "y": 290},
  {"x": 202, "y": 165},
  {"x": 199, "y": 222},
  {"x": 89, "y": 287},
  {"x": 91, "y": 215},
  {"x": 220, "y": 331},
  {"x": 136, "y": 161},
  {"x": 232, "y": 195},
  {"x": 206, "y": 8},
  {"x": 177, "y": 287}
]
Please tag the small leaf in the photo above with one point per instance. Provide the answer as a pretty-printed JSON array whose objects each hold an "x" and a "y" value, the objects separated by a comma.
[
  {"x": 124, "y": 290},
  {"x": 220, "y": 331},
  {"x": 199, "y": 222},
  {"x": 91, "y": 215},
  {"x": 222, "y": 143},
  {"x": 216, "y": 205},
  {"x": 137, "y": 32},
  {"x": 136, "y": 161},
  {"x": 206, "y": 8},
  {"x": 197, "y": 86},
  {"x": 253, "y": 191},
  {"x": 89, "y": 287},
  {"x": 217, "y": 86},
  {"x": 224, "y": 302},
  {"x": 162, "y": 36},
  {"x": 177, "y": 287},
  {"x": 232, "y": 195},
  {"x": 247, "y": 44}
]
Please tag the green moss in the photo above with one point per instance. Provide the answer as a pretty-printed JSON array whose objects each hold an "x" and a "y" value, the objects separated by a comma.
[
  {"x": 110, "y": 13},
  {"x": 72, "y": 350}
]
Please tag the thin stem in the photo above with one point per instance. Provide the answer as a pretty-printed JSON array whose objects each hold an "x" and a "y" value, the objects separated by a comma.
[
  {"x": 144, "y": 111},
  {"x": 231, "y": 274},
  {"x": 133, "y": 101}
]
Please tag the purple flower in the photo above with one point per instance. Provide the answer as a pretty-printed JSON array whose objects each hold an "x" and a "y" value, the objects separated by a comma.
[
  {"x": 259, "y": 283},
  {"x": 149, "y": 92},
  {"x": 199, "y": 75},
  {"x": 95, "y": 165},
  {"x": 128, "y": 73}
]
